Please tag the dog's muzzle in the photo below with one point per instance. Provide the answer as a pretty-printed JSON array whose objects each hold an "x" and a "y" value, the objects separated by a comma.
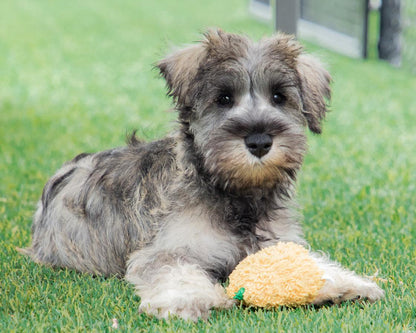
[{"x": 258, "y": 144}]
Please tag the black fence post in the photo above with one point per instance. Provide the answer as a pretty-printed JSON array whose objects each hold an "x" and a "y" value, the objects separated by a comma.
[{"x": 390, "y": 44}]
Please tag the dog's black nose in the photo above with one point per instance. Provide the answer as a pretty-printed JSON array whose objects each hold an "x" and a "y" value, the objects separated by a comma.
[{"x": 259, "y": 144}]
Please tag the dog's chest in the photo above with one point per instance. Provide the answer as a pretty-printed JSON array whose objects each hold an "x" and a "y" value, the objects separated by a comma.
[{"x": 200, "y": 233}]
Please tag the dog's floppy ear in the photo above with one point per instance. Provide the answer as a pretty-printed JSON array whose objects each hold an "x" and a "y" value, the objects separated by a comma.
[
  {"x": 315, "y": 90},
  {"x": 179, "y": 68}
]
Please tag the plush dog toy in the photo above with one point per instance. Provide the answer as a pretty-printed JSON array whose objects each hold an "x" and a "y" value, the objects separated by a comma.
[{"x": 280, "y": 275}]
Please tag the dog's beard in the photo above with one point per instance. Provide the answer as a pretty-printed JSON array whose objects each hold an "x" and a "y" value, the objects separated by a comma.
[{"x": 231, "y": 165}]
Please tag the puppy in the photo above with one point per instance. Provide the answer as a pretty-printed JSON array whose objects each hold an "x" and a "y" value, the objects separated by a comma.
[{"x": 175, "y": 216}]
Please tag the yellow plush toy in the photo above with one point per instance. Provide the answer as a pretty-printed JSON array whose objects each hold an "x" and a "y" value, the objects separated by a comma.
[{"x": 283, "y": 274}]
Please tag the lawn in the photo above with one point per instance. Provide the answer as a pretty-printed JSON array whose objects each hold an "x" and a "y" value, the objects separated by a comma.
[{"x": 77, "y": 76}]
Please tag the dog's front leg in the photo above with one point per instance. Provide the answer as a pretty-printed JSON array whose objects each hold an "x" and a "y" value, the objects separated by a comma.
[
  {"x": 342, "y": 285},
  {"x": 169, "y": 285}
]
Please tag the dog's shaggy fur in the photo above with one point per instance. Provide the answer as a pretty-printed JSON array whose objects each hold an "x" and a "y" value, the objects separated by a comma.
[{"x": 176, "y": 215}]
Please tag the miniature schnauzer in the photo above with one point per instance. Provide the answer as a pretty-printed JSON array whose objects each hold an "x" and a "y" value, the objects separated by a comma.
[{"x": 175, "y": 216}]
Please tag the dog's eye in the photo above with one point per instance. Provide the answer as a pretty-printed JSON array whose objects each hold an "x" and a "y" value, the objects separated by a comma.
[
  {"x": 225, "y": 100},
  {"x": 278, "y": 98}
]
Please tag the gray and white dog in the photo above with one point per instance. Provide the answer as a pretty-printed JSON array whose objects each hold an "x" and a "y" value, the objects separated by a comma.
[{"x": 175, "y": 216}]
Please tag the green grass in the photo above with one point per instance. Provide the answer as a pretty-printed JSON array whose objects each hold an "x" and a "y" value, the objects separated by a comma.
[{"x": 76, "y": 76}]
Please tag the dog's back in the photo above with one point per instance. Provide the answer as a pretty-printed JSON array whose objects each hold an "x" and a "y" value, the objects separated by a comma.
[{"x": 99, "y": 207}]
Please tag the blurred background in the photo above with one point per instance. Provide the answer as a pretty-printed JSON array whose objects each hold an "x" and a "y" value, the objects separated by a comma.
[{"x": 349, "y": 27}]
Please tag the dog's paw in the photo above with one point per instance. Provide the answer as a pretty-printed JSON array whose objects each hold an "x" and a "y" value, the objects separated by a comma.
[
  {"x": 173, "y": 303},
  {"x": 374, "y": 293},
  {"x": 352, "y": 288},
  {"x": 190, "y": 311}
]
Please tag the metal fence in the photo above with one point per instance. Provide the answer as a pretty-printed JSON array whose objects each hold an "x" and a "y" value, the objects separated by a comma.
[
  {"x": 337, "y": 24},
  {"x": 341, "y": 25},
  {"x": 409, "y": 34}
]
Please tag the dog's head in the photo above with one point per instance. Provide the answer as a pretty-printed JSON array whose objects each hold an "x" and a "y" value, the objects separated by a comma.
[{"x": 245, "y": 104}]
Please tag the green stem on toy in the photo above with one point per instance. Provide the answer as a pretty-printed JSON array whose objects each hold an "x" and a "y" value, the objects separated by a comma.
[{"x": 240, "y": 294}]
